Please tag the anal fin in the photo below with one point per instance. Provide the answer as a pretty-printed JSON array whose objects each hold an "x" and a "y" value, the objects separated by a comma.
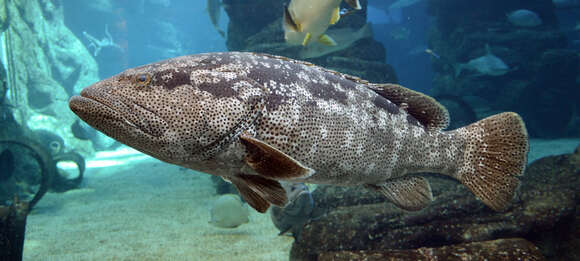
[
  {"x": 272, "y": 163},
  {"x": 409, "y": 193},
  {"x": 259, "y": 192}
]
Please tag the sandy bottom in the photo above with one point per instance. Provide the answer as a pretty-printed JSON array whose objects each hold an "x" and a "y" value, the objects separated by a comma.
[{"x": 150, "y": 210}]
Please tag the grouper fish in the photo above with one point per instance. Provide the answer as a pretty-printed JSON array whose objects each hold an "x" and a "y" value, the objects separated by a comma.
[{"x": 257, "y": 119}]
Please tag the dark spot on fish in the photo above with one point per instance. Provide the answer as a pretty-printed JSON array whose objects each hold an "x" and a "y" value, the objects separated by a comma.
[
  {"x": 328, "y": 92},
  {"x": 275, "y": 100},
  {"x": 170, "y": 79},
  {"x": 383, "y": 103},
  {"x": 310, "y": 104},
  {"x": 411, "y": 120},
  {"x": 219, "y": 90},
  {"x": 6, "y": 165}
]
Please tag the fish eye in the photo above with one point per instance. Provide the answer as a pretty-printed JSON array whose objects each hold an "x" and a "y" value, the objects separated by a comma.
[{"x": 143, "y": 79}]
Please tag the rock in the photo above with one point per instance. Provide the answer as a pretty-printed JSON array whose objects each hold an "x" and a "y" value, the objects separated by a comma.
[
  {"x": 536, "y": 57},
  {"x": 544, "y": 212},
  {"x": 3, "y": 85},
  {"x": 12, "y": 229},
  {"x": 240, "y": 28},
  {"x": 264, "y": 33},
  {"x": 371, "y": 71},
  {"x": 48, "y": 63},
  {"x": 501, "y": 249},
  {"x": 477, "y": 15},
  {"x": 3, "y": 17},
  {"x": 554, "y": 106}
]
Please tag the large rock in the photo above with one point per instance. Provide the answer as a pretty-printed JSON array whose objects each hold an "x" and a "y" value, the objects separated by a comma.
[
  {"x": 544, "y": 212},
  {"x": 46, "y": 63},
  {"x": 541, "y": 82},
  {"x": 256, "y": 26},
  {"x": 501, "y": 249}
]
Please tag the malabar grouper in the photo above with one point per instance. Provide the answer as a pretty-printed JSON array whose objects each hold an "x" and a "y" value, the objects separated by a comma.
[{"x": 257, "y": 119}]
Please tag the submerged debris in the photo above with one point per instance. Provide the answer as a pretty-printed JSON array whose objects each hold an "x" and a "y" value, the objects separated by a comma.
[{"x": 97, "y": 44}]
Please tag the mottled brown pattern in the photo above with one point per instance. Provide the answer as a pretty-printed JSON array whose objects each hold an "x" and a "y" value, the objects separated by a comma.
[
  {"x": 172, "y": 78},
  {"x": 386, "y": 104},
  {"x": 348, "y": 131}
]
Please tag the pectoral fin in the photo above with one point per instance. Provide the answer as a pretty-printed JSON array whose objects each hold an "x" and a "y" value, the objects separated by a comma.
[
  {"x": 409, "y": 193},
  {"x": 259, "y": 192},
  {"x": 326, "y": 40},
  {"x": 335, "y": 15},
  {"x": 272, "y": 163}
]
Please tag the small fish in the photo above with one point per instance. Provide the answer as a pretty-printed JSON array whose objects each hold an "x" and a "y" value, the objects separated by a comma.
[
  {"x": 432, "y": 53},
  {"x": 524, "y": 18},
  {"x": 214, "y": 9},
  {"x": 489, "y": 64},
  {"x": 344, "y": 37},
  {"x": 6, "y": 165},
  {"x": 259, "y": 119},
  {"x": 228, "y": 211},
  {"x": 306, "y": 20},
  {"x": 292, "y": 217}
]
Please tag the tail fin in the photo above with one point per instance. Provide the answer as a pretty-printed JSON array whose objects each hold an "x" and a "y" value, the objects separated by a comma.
[{"x": 495, "y": 154}]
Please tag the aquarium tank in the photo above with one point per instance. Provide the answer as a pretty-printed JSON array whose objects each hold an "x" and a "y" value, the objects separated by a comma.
[{"x": 289, "y": 130}]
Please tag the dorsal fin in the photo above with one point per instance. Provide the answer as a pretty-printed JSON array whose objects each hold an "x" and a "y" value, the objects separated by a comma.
[{"x": 424, "y": 108}]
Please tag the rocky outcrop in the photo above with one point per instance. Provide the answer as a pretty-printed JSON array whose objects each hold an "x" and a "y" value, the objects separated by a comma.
[
  {"x": 46, "y": 63},
  {"x": 501, "y": 249},
  {"x": 256, "y": 26},
  {"x": 540, "y": 84},
  {"x": 544, "y": 212}
]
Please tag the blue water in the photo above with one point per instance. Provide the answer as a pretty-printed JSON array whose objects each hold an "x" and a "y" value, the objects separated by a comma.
[{"x": 421, "y": 42}]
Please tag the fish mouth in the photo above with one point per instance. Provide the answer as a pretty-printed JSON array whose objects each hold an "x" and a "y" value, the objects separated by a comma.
[{"x": 108, "y": 113}]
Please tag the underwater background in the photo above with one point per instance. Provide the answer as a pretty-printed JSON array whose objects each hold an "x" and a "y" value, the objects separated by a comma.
[{"x": 83, "y": 196}]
